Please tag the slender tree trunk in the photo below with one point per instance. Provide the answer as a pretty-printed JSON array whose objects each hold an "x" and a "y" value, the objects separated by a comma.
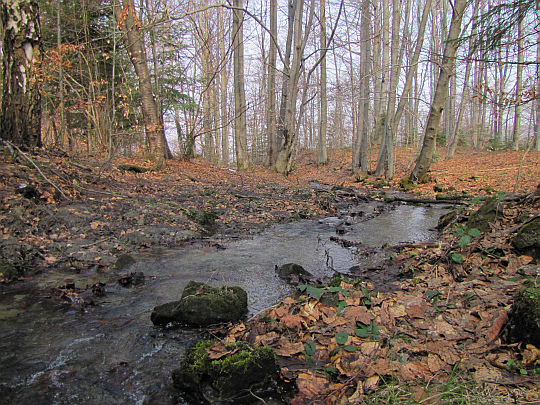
[
  {"x": 385, "y": 163},
  {"x": 20, "y": 117},
  {"x": 385, "y": 69},
  {"x": 519, "y": 89},
  {"x": 420, "y": 171},
  {"x": 240, "y": 125},
  {"x": 322, "y": 155},
  {"x": 130, "y": 27},
  {"x": 359, "y": 157},
  {"x": 454, "y": 138},
  {"x": 271, "y": 103},
  {"x": 537, "y": 101},
  {"x": 223, "y": 80},
  {"x": 414, "y": 65}
]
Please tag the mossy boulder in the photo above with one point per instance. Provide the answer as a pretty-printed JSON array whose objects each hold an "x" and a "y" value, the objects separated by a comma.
[
  {"x": 202, "y": 305},
  {"x": 489, "y": 212},
  {"x": 212, "y": 372},
  {"x": 527, "y": 240},
  {"x": 524, "y": 319}
]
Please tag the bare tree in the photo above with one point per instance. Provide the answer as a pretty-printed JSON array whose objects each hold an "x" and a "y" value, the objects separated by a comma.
[
  {"x": 240, "y": 125},
  {"x": 360, "y": 137},
  {"x": 132, "y": 38},
  {"x": 420, "y": 171},
  {"x": 322, "y": 155}
]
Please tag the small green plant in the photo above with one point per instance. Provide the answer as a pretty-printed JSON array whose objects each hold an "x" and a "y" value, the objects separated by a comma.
[
  {"x": 309, "y": 351},
  {"x": 370, "y": 331}
]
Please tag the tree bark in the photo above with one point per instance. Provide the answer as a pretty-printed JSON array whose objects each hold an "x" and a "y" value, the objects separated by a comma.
[
  {"x": 271, "y": 103},
  {"x": 519, "y": 87},
  {"x": 385, "y": 164},
  {"x": 20, "y": 118},
  {"x": 359, "y": 160},
  {"x": 454, "y": 139},
  {"x": 322, "y": 155},
  {"x": 240, "y": 125},
  {"x": 132, "y": 38},
  {"x": 420, "y": 171}
]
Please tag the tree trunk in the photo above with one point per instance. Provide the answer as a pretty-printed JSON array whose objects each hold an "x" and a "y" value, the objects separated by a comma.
[
  {"x": 322, "y": 155},
  {"x": 20, "y": 118},
  {"x": 454, "y": 139},
  {"x": 130, "y": 27},
  {"x": 420, "y": 171},
  {"x": 537, "y": 101},
  {"x": 385, "y": 164},
  {"x": 223, "y": 95},
  {"x": 240, "y": 125},
  {"x": 359, "y": 160},
  {"x": 414, "y": 65},
  {"x": 271, "y": 104},
  {"x": 380, "y": 116},
  {"x": 519, "y": 87}
]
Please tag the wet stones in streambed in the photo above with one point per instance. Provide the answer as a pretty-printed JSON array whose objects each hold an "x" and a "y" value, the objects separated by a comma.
[
  {"x": 293, "y": 273},
  {"x": 202, "y": 305},
  {"x": 236, "y": 373}
]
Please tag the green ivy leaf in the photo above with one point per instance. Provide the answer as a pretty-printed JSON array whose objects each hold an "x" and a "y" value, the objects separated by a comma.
[
  {"x": 341, "y": 306},
  {"x": 362, "y": 333},
  {"x": 342, "y": 337},
  {"x": 350, "y": 348},
  {"x": 457, "y": 258},
  {"x": 464, "y": 241},
  {"x": 474, "y": 232},
  {"x": 310, "y": 348}
]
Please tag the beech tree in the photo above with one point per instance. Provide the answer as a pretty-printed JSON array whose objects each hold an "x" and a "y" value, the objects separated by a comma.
[
  {"x": 420, "y": 171},
  {"x": 132, "y": 38},
  {"x": 20, "y": 118}
]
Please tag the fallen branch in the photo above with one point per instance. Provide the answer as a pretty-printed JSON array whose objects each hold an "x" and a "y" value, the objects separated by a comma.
[
  {"x": 8, "y": 144},
  {"x": 427, "y": 201}
]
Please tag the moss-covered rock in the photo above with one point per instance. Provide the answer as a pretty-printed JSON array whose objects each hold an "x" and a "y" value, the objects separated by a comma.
[
  {"x": 527, "y": 240},
  {"x": 214, "y": 372},
  {"x": 8, "y": 273},
  {"x": 202, "y": 305},
  {"x": 524, "y": 320},
  {"x": 489, "y": 212}
]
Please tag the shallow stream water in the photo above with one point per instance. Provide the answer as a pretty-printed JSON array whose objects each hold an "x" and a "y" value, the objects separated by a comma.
[{"x": 52, "y": 353}]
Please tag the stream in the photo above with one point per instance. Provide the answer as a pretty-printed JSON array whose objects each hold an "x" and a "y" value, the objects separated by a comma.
[{"x": 110, "y": 353}]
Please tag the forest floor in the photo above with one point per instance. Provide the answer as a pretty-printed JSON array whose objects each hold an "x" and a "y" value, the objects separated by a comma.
[{"x": 84, "y": 213}]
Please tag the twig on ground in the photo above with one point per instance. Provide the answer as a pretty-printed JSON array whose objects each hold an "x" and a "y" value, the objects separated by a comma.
[{"x": 38, "y": 169}]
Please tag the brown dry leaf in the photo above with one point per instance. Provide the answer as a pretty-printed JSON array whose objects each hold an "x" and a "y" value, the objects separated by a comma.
[
  {"x": 530, "y": 354},
  {"x": 288, "y": 349},
  {"x": 280, "y": 312},
  {"x": 416, "y": 311},
  {"x": 369, "y": 348},
  {"x": 357, "y": 314},
  {"x": 291, "y": 321},
  {"x": 310, "y": 385},
  {"x": 495, "y": 329},
  {"x": 434, "y": 363},
  {"x": 416, "y": 370},
  {"x": 370, "y": 383},
  {"x": 397, "y": 311}
]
